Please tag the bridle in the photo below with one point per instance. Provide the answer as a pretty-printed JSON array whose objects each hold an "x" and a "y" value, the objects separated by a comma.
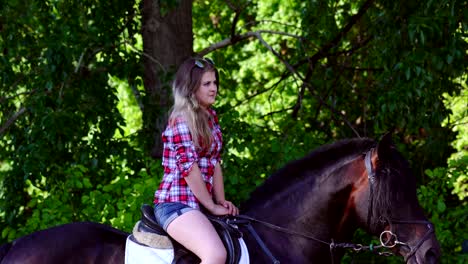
[
  {"x": 392, "y": 239},
  {"x": 388, "y": 239}
]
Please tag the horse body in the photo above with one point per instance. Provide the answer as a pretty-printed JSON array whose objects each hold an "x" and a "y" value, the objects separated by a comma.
[
  {"x": 82, "y": 243},
  {"x": 309, "y": 206}
]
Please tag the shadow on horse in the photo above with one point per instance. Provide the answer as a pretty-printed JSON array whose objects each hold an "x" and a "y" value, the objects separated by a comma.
[{"x": 306, "y": 212}]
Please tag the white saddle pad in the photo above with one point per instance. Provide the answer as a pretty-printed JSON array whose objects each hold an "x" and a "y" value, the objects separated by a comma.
[{"x": 137, "y": 254}]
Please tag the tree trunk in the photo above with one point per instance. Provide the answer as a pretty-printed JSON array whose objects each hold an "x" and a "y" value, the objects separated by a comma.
[{"x": 167, "y": 41}]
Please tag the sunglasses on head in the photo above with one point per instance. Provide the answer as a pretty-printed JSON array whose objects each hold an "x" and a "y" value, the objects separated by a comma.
[{"x": 199, "y": 62}]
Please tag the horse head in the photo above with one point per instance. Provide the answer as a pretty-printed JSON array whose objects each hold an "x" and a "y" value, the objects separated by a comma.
[{"x": 388, "y": 206}]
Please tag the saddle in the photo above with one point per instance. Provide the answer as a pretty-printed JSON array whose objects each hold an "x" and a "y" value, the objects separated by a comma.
[{"x": 228, "y": 233}]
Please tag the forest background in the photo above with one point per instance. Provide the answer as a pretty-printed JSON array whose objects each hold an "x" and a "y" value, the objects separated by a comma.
[{"x": 85, "y": 91}]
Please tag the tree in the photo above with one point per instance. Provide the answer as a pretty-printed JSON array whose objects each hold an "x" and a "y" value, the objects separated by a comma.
[{"x": 167, "y": 41}]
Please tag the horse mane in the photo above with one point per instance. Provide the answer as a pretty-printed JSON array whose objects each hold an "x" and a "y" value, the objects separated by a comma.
[
  {"x": 394, "y": 186},
  {"x": 323, "y": 158}
]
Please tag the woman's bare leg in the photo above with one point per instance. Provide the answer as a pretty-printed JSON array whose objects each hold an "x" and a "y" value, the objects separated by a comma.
[{"x": 195, "y": 232}]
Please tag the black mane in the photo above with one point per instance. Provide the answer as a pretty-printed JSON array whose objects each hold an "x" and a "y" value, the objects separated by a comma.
[
  {"x": 315, "y": 163},
  {"x": 395, "y": 185}
]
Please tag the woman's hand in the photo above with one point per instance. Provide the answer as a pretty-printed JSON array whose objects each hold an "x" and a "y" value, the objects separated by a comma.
[
  {"x": 232, "y": 209},
  {"x": 217, "y": 209}
]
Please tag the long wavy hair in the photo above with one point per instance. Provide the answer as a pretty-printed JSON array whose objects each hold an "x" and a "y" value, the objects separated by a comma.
[{"x": 186, "y": 83}]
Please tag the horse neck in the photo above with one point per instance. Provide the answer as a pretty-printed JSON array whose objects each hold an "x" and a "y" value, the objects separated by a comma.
[{"x": 319, "y": 206}]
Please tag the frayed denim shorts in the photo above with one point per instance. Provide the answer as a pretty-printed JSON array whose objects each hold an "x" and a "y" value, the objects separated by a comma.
[{"x": 165, "y": 213}]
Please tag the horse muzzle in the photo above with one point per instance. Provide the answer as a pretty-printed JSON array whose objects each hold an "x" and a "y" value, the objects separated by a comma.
[
  {"x": 426, "y": 250},
  {"x": 428, "y": 253}
]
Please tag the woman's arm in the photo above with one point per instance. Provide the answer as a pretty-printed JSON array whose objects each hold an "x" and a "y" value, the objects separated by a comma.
[
  {"x": 218, "y": 184},
  {"x": 218, "y": 191},
  {"x": 198, "y": 186}
]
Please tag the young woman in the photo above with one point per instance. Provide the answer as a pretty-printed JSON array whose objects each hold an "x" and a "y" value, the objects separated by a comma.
[{"x": 191, "y": 160}]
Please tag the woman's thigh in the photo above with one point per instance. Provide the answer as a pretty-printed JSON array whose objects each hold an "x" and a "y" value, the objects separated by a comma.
[
  {"x": 194, "y": 231},
  {"x": 165, "y": 213}
]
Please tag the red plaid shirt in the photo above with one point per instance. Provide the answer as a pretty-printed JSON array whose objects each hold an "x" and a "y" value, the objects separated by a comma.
[{"x": 179, "y": 155}]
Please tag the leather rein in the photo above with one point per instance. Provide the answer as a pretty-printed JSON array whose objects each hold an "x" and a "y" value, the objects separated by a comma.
[{"x": 388, "y": 239}]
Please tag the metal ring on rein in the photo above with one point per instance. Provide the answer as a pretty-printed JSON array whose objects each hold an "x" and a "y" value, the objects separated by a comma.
[
  {"x": 358, "y": 248},
  {"x": 392, "y": 235}
]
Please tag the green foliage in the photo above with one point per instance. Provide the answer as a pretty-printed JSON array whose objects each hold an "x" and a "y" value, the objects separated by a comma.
[
  {"x": 446, "y": 211},
  {"x": 377, "y": 76},
  {"x": 253, "y": 153},
  {"x": 59, "y": 113},
  {"x": 116, "y": 202},
  {"x": 445, "y": 196}
]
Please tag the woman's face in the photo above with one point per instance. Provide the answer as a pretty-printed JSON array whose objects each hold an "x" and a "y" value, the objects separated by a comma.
[{"x": 206, "y": 93}]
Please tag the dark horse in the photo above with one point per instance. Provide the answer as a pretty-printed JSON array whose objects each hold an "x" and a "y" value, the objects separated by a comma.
[{"x": 306, "y": 212}]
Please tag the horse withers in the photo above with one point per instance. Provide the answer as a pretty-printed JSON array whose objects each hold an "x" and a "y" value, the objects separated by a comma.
[{"x": 306, "y": 212}]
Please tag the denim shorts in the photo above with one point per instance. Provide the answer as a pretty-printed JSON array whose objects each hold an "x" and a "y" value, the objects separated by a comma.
[{"x": 165, "y": 213}]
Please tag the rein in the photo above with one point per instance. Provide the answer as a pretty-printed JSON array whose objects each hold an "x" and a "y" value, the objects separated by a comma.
[
  {"x": 246, "y": 220},
  {"x": 388, "y": 243}
]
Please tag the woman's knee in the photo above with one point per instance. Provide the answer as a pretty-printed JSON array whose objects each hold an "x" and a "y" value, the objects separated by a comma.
[
  {"x": 218, "y": 256},
  {"x": 212, "y": 250}
]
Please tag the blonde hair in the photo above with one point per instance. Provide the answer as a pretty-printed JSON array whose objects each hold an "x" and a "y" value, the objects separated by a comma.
[{"x": 186, "y": 83}]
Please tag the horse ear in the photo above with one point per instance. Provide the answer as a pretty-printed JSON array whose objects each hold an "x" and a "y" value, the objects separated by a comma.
[{"x": 384, "y": 145}]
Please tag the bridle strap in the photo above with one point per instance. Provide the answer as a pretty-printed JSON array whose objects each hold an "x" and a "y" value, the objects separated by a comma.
[
  {"x": 430, "y": 230},
  {"x": 371, "y": 178},
  {"x": 421, "y": 241}
]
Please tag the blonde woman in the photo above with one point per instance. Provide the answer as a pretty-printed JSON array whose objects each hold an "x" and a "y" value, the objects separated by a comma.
[{"x": 191, "y": 160}]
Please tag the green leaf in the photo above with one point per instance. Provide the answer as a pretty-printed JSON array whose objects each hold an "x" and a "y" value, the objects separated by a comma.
[
  {"x": 449, "y": 59},
  {"x": 5, "y": 232},
  {"x": 408, "y": 73},
  {"x": 422, "y": 37},
  {"x": 87, "y": 183},
  {"x": 429, "y": 173},
  {"x": 78, "y": 184},
  {"x": 441, "y": 206}
]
